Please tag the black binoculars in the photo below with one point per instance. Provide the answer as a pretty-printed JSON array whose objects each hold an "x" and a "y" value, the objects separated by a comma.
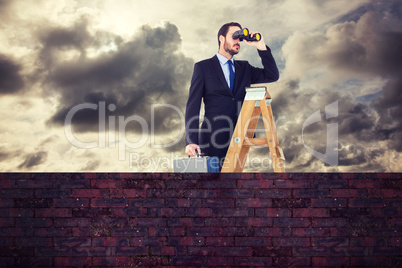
[{"x": 244, "y": 34}]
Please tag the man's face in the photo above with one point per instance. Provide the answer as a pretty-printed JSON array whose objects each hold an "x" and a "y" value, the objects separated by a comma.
[{"x": 230, "y": 45}]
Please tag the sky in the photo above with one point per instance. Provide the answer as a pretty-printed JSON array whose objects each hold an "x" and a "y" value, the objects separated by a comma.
[{"x": 101, "y": 86}]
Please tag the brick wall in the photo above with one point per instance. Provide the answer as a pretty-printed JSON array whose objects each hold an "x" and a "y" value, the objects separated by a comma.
[{"x": 123, "y": 220}]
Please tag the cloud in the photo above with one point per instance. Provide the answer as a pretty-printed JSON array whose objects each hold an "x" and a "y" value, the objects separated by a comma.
[
  {"x": 10, "y": 78},
  {"x": 4, "y": 5},
  {"x": 59, "y": 54},
  {"x": 34, "y": 159},
  {"x": 129, "y": 75},
  {"x": 347, "y": 51}
]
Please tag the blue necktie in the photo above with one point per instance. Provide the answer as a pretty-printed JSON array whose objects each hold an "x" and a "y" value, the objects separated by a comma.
[{"x": 231, "y": 75}]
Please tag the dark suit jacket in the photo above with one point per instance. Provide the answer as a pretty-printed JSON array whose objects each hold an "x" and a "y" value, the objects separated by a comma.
[{"x": 222, "y": 107}]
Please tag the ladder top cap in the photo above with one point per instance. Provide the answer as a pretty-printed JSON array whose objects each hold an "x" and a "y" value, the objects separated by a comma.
[{"x": 256, "y": 93}]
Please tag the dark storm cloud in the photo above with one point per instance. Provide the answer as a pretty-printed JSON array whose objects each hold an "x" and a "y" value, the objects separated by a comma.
[
  {"x": 33, "y": 159},
  {"x": 389, "y": 107},
  {"x": 130, "y": 75},
  {"x": 10, "y": 78},
  {"x": 4, "y": 4},
  {"x": 367, "y": 46},
  {"x": 355, "y": 122}
]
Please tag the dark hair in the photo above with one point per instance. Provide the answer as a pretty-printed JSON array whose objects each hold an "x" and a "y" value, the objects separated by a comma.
[{"x": 225, "y": 28}]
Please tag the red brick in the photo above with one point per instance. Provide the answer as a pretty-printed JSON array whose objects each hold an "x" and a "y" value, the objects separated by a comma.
[
  {"x": 72, "y": 241},
  {"x": 253, "y": 202},
  {"x": 16, "y": 212},
  {"x": 252, "y": 241},
  {"x": 33, "y": 203},
  {"x": 330, "y": 222},
  {"x": 201, "y": 193},
  {"x": 273, "y": 212},
  {"x": 188, "y": 261},
  {"x": 272, "y": 251},
  {"x": 186, "y": 241},
  {"x": 311, "y": 251},
  {"x": 33, "y": 222},
  {"x": 220, "y": 261},
  {"x": 6, "y": 203},
  {"x": 218, "y": 202},
  {"x": 70, "y": 202},
  {"x": 311, "y": 232},
  {"x": 370, "y": 261},
  {"x": 254, "y": 222},
  {"x": 364, "y": 183},
  {"x": 59, "y": 232},
  {"x": 222, "y": 222},
  {"x": 348, "y": 192},
  {"x": 367, "y": 241},
  {"x": 111, "y": 261},
  {"x": 111, "y": 202},
  {"x": 107, "y": 184},
  {"x": 272, "y": 232},
  {"x": 53, "y": 212},
  {"x": 7, "y": 183},
  {"x": 291, "y": 261},
  {"x": 298, "y": 184},
  {"x": 16, "y": 193},
  {"x": 72, "y": 261},
  {"x": 148, "y": 222},
  {"x": 329, "y": 202},
  {"x": 220, "y": 241},
  {"x": 33, "y": 242},
  {"x": 236, "y": 193},
  {"x": 128, "y": 193},
  {"x": 367, "y": 202},
  {"x": 148, "y": 261},
  {"x": 395, "y": 241},
  {"x": 91, "y": 251},
  {"x": 291, "y": 241},
  {"x": 292, "y": 222},
  {"x": 90, "y": 193},
  {"x": 330, "y": 261},
  {"x": 384, "y": 193},
  {"x": 329, "y": 241},
  {"x": 31, "y": 184},
  {"x": 147, "y": 203},
  {"x": 72, "y": 222},
  {"x": 253, "y": 261},
  {"x": 220, "y": 251},
  {"x": 310, "y": 212},
  {"x": 257, "y": 184},
  {"x": 314, "y": 193},
  {"x": 53, "y": 251},
  {"x": 52, "y": 193},
  {"x": 274, "y": 193},
  {"x": 110, "y": 241},
  {"x": 203, "y": 231},
  {"x": 82, "y": 231}
]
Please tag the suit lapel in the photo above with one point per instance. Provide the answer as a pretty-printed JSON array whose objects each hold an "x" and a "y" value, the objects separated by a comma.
[{"x": 219, "y": 72}]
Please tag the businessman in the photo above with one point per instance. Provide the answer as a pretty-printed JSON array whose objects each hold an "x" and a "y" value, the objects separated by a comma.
[{"x": 220, "y": 83}]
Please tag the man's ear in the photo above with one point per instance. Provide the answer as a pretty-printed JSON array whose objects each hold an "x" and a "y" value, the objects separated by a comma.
[{"x": 222, "y": 39}]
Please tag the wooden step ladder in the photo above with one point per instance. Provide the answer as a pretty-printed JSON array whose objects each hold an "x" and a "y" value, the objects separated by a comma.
[{"x": 256, "y": 102}]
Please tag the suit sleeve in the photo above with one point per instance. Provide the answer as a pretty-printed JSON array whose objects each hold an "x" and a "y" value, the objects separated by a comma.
[
  {"x": 193, "y": 105},
  {"x": 270, "y": 73}
]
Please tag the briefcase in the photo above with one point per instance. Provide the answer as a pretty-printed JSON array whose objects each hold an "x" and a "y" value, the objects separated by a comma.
[{"x": 199, "y": 164}]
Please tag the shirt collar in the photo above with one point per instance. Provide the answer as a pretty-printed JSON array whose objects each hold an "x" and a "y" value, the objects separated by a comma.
[{"x": 223, "y": 60}]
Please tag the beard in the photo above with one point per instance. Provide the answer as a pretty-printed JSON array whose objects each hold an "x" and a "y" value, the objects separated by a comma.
[{"x": 231, "y": 50}]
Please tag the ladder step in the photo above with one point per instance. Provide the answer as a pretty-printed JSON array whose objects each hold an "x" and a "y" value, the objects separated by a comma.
[{"x": 255, "y": 142}]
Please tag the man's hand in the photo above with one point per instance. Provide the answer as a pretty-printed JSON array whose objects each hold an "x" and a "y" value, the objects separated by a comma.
[
  {"x": 192, "y": 148},
  {"x": 260, "y": 45}
]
